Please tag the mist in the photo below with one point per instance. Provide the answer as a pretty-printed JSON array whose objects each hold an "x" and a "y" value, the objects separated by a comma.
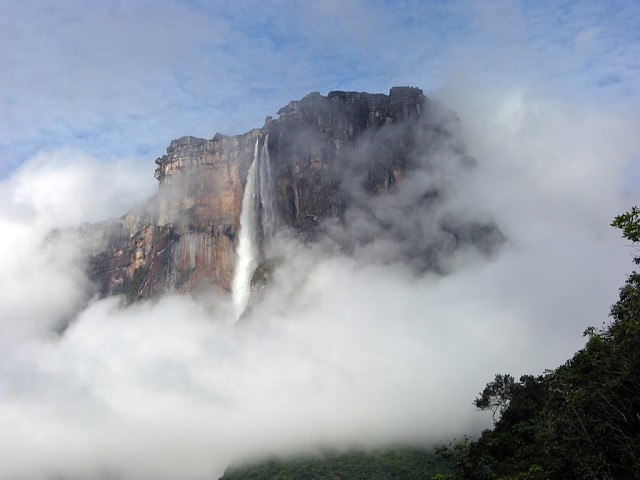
[{"x": 342, "y": 351}]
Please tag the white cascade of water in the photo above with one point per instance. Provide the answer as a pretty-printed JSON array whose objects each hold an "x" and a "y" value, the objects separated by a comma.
[
  {"x": 267, "y": 195},
  {"x": 247, "y": 250}
]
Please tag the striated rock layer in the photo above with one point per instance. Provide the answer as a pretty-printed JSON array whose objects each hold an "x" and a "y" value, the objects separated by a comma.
[{"x": 327, "y": 154}]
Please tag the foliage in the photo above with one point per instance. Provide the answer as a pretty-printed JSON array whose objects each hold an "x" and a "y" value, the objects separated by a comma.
[
  {"x": 135, "y": 284},
  {"x": 457, "y": 453},
  {"x": 629, "y": 223},
  {"x": 399, "y": 463},
  {"x": 496, "y": 395},
  {"x": 263, "y": 274},
  {"x": 581, "y": 420}
]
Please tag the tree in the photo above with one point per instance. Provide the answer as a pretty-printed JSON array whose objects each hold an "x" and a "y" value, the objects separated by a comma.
[
  {"x": 496, "y": 395},
  {"x": 629, "y": 223},
  {"x": 579, "y": 421}
]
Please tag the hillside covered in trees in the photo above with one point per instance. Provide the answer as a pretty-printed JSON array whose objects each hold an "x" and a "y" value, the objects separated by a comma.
[{"x": 400, "y": 463}]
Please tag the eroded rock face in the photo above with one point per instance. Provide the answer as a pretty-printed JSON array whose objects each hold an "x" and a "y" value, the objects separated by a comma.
[
  {"x": 185, "y": 237},
  {"x": 330, "y": 155},
  {"x": 318, "y": 142}
]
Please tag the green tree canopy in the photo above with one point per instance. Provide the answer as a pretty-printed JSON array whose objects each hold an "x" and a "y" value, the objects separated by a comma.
[{"x": 579, "y": 421}]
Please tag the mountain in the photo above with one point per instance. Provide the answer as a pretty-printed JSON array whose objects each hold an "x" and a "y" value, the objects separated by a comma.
[{"x": 351, "y": 168}]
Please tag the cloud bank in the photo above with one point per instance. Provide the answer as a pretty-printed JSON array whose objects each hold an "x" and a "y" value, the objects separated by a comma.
[{"x": 341, "y": 353}]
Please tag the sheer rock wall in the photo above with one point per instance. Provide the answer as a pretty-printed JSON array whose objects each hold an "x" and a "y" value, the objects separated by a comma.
[{"x": 322, "y": 148}]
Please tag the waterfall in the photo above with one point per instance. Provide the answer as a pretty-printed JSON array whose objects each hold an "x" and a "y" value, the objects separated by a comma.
[
  {"x": 267, "y": 194},
  {"x": 258, "y": 216},
  {"x": 247, "y": 248}
]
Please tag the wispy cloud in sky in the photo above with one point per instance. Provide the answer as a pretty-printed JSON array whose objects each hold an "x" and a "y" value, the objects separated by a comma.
[
  {"x": 123, "y": 78},
  {"x": 342, "y": 353}
]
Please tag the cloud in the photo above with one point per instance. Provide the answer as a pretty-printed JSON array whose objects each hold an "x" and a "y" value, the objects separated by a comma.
[
  {"x": 124, "y": 79},
  {"x": 51, "y": 193},
  {"x": 340, "y": 352},
  {"x": 554, "y": 174},
  {"x": 172, "y": 380},
  {"x": 116, "y": 79},
  {"x": 419, "y": 219}
]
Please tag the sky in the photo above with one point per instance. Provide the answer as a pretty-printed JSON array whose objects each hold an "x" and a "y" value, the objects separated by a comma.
[{"x": 361, "y": 354}]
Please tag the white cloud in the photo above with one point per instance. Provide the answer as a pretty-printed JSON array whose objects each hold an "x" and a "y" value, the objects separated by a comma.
[
  {"x": 125, "y": 79},
  {"x": 554, "y": 175},
  {"x": 170, "y": 389},
  {"x": 41, "y": 267},
  {"x": 341, "y": 353}
]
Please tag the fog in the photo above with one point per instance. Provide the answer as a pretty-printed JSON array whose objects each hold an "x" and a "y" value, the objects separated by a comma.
[{"x": 342, "y": 351}]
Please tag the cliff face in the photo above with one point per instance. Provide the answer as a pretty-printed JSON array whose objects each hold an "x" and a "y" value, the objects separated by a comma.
[
  {"x": 314, "y": 144},
  {"x": 329, "y": 154},
  {"x": 184, "y": 237}
]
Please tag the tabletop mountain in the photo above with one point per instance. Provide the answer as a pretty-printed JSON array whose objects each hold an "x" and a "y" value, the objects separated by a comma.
[{"x": 352, "y": 167}]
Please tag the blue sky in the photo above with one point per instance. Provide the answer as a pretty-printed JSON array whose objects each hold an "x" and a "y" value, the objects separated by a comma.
[{"x": 115, "y": 78}]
